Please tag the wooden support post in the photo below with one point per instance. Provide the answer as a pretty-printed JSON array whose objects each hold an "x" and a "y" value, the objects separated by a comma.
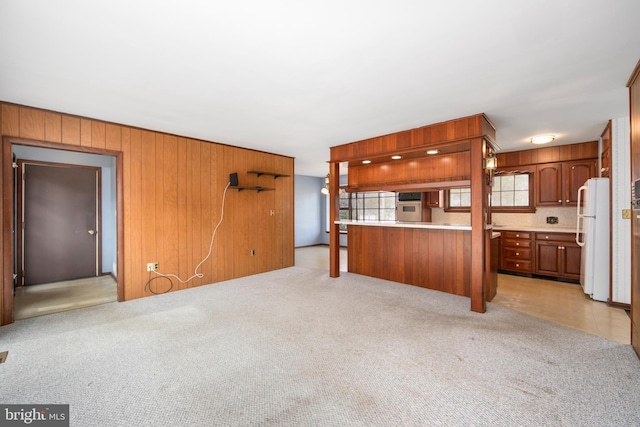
[
  {"x": 7, "y": 241},
  {"x": 478, "y": 206},
  {"x": 334, "y": 214}
]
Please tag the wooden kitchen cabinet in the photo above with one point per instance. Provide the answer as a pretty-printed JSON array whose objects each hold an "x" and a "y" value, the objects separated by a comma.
[
  {"x": 557, "y": 255},
  {"x": 517, "y": 252},
  {"x": 557, "y": 184},
  {"x": 432, "y": 199},
  {"x": 548, "y": 188}
]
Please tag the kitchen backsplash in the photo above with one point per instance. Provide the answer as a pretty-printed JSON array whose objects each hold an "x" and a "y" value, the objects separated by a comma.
[{"x": 566, "y": 217}]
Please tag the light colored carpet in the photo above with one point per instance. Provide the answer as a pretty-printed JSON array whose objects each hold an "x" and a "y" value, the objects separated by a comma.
[{"x": 295, "y": 347}]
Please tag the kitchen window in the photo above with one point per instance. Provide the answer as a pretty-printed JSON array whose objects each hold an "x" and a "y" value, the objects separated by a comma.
[{"x": 510, "y": 192}]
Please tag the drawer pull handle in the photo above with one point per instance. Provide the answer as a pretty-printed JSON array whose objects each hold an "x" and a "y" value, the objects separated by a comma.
[
  {"x": 517, "y": 253},
  {"x": 546, "y": 237},
  {"x": 517, "y": 244},
  {"x": 517, "y": 235},
  {"x": 517, "y": 265}
]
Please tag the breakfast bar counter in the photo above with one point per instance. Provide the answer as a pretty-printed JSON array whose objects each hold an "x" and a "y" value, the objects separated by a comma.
[{"x": 434, "y": 256}]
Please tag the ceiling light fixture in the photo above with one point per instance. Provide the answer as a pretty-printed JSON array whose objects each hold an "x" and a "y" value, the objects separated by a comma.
[
  {"x": 542, "y": 139},
  {"x": 366, "y": 162},
  {"x": 433, "y": 151},
  {"x": 396, "y": 157}
]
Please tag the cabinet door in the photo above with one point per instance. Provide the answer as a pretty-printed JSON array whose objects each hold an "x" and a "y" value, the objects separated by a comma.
[
  {"x": 572, "y": 259},
  {"x": 574, "y": 176},
  {"x": 548, "y": 258},
  {"x": 549, "y": 184},
  {"x": 433, "y": 199}
]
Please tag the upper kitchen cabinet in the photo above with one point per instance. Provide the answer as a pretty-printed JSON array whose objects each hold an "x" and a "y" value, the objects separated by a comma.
[
  {"x": 557, "y": 184},
  {"x": 432, "y": 199}
]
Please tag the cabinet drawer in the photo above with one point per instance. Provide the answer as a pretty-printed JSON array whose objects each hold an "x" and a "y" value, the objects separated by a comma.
[
  {"x": 519, "y": 266},
  {"x": 517, "y": 254},
  {"x": 516, "y": 235},
  {"x": 517, "y": 243},
  {"x": 556, "y": 237}
]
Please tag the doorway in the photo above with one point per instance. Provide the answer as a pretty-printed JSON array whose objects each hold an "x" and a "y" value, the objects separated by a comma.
[
  {"x": 102, "y": 174},
  {"x": 58, "y": 221}
]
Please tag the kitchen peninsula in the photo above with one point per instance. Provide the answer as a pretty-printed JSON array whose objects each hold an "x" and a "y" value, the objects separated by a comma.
[
  {"x": 448, "y": 258},
  {"x": 432, "y": 256}
]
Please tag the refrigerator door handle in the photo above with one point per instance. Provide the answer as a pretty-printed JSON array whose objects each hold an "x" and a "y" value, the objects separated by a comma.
[
  {"x": 579, "y": 241},
  {"x": 580, "y": 216}
]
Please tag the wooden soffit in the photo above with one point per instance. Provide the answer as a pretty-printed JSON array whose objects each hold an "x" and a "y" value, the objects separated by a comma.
[{"x": 448, "y": 137}]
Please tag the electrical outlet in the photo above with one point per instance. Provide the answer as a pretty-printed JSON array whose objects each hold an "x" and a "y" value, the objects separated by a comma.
[
  {"x": 253, "y": 252},
  {"x": 152, "y": 266}
]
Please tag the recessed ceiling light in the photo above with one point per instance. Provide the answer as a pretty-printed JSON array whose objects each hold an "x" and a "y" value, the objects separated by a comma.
[
  {"x": 396, "y": 157},
  {"x": 433, "y": 151},
  {"x": 366, "y": 162},
  {"x": 542, "y": 139}
]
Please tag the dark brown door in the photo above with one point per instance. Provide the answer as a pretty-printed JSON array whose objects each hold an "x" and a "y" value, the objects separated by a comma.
[{"x": 60, "y": 206}]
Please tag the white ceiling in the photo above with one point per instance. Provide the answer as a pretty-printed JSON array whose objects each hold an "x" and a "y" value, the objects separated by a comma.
[{"x": 295, "y": 78}]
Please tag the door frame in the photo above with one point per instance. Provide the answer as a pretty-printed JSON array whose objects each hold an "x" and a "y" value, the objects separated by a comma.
[
  {"x": 8, "y": 210},
  {"x": 19, "y": 235}
]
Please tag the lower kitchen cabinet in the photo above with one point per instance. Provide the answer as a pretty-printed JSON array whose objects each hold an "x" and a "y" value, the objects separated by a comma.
[
  {"x": 544, "y": 254},
  {"x": 517, "y": 252},
  {"x": 557, "y": 255}
]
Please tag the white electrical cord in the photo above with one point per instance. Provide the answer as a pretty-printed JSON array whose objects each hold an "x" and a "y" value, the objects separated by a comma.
[{"x": 213, "y": 236}]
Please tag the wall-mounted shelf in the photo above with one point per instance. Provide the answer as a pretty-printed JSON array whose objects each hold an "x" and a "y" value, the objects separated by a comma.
[
  {"x": 274, "y": 175},
  {"x": 256, "y": 189}
]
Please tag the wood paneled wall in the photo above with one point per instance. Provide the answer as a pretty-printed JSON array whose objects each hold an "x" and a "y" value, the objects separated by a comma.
[
  {"x": 172, "y": 195},
  {"x": 430, "y": 258},
  {"x": 477, "y": 126},
  {"x": 634, "y": 111},
  {"x": 404, "y": 174},
  {"x": 562, "y": 153}
]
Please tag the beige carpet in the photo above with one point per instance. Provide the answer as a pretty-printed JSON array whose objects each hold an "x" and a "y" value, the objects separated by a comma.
[{"x": 295, "y": 347}]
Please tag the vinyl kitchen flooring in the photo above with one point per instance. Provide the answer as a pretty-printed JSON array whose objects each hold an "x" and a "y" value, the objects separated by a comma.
[
  {"x": 565, "y": 304},
  {"x": 558, "y": 302}
]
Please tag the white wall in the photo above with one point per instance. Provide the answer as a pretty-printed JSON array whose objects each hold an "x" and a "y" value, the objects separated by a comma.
[{"x": 620, "y": 200}]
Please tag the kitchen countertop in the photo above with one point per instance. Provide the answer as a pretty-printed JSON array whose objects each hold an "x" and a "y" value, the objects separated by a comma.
[
  {"x": 535, "y": 228},
  {"x": 402, "y": 224},
  {"x": 440, "y": 226}
]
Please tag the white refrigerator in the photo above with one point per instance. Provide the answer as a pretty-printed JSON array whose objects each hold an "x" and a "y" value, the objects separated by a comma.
[{"x": 592, "y": 234}]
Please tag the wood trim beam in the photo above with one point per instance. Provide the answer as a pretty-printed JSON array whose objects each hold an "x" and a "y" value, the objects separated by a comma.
[
  {"x": 334, "y": 214},
  {"x": 7, "y": 241},
  {"x": 478, "y": 204}
]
